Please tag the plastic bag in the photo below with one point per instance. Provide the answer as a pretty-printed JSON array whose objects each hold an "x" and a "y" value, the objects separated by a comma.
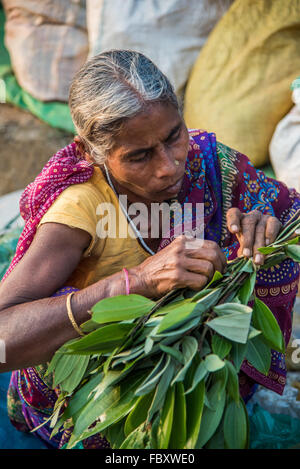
[
  {"x": 169, "y": 32},
  {"x": 285, "y": 144},
  {"x": 47, "y": 42},
  {"x": 272, "y": 431}
]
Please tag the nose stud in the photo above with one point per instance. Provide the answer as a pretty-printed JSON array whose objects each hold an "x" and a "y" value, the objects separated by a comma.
[{"x": 176, "y": 162}]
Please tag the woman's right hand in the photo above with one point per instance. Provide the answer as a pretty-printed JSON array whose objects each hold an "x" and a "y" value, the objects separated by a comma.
[{"x": 186, "y": 262}]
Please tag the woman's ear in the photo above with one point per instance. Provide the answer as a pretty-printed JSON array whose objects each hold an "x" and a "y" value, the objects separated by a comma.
[{"x": 81, "y": 149}]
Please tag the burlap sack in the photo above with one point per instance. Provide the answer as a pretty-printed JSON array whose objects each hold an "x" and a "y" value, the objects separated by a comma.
[{"x": 240, "y": 84}]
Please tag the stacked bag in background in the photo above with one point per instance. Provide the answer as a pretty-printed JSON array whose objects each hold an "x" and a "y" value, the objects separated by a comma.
[
  {"x": 285, "y": 144},
  {"x": 240, "y": 84}
]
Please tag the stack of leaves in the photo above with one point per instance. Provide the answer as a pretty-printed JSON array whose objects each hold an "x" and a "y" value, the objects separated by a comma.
[{"x": 164, "y": 375}]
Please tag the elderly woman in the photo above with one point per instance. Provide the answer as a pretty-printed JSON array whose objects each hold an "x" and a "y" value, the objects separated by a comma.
[{"x": 133, "y": 142}]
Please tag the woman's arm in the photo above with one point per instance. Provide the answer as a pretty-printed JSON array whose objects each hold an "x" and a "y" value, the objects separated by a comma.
[{"x": 33, "y": 325}]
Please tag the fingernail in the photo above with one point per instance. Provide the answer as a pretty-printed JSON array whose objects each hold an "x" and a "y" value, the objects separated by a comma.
[
  {"x": 246, "y": 252},
  {"x": 258, "y": 258},
  {"x": 234, "y": 228},
  {"x": 297, "y": 231},
  {"x": 267, "y": 241}
]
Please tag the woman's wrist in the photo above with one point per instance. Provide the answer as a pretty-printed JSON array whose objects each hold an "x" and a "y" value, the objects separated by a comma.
[{"x": 137, "y": 283}]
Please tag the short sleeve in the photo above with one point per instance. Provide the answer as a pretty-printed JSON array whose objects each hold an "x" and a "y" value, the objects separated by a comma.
[{"x": 76, "y": 207}]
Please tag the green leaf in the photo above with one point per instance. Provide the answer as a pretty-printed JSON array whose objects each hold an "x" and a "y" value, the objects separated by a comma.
[
  {"x": 173, "y": 352},
  {"x": 64, "y": 367},
  {"x": 103, "y": 340},
  {"x": 220, "y": 345},
  {"x": 232, "y": 382},
  {"x": 231, "y": 308},
  {"x": 259, "y": 355},
  {"x": 178, "y": 433},
  {"x": 233, "y": 326},
  {"x": 248, "y": 267},
  {"x": 177, "y": 333},
  {"x": 194, "y": 406},
  {"x": 121, "y": 308},
  {"x": 217, "y": 276},
  {"x": 150, "y": 382},
  {"x": 211, "y": 418},
  {"x": 268, "y": 249},
  {"x": 253, "y": 332},
  {"x": 115, "y": 434},
  {"x": 200, "y": 374},
  {"x": 293, "y": 252},
  {"x": 113, "y": 404},
  {"x": 238, "y": 353},
  {"x": 162, "y": 389},
  {"x": 287, "y": 230},
  {"x": 206, "y": 302},
  {"x": 213, "y": 363},
  {"x": 138, "y": 414},
  {"x": 166, "y": 421},
  {"x": 235, "y": 426},
  {"x": 176, "y": 316},
  {"x": 189, "y": 350},
  {"x": 82, "y": 396},
  {"x": 89, "y": 326},
  {"x": 264, "y": 320},
  {"x": 136, "y": 439},
  {"x": 247, "y": 289},
  {"x": 293, "y": 241},
  {"x": 273, "y": 260},
  {"x": 201, "y": 294},
  {"x": 73, "y": 380}
]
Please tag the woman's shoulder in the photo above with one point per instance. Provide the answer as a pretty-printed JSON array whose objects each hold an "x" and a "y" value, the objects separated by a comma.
[{"x": 91, "y": 191}]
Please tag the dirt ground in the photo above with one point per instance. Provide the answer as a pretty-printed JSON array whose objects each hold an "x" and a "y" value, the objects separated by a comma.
[{"x": 26, "y": 145}]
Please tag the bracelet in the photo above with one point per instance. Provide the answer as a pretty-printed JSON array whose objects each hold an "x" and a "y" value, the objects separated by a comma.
[
  {"x": 127, "y": 281},
  {"x": 70, "y": 314}
]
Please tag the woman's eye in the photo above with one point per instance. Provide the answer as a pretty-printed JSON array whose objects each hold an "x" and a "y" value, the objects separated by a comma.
[
  {"x": 174, "y": 136},
  {"x": 141, "y": 157}
]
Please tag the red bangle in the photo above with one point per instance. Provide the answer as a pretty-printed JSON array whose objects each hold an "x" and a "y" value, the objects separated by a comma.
[{"x": 127, "y": 281}]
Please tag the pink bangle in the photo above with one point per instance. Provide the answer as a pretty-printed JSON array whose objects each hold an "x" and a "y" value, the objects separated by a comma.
[{"x": 127, "y": 281}]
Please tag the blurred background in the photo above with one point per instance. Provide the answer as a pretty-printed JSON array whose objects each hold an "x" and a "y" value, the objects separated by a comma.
[{"x": 235, "y": 65}]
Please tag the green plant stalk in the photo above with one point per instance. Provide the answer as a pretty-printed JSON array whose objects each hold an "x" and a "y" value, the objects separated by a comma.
[{"x": 230, "y": 283}]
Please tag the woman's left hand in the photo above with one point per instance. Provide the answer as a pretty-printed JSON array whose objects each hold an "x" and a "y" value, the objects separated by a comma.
[{"x": 253, "y": 230}]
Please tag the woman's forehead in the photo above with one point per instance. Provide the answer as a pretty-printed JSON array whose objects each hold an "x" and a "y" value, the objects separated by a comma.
[{"x": 152, "y": 125}]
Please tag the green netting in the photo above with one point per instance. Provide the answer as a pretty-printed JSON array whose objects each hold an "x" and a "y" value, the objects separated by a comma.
[{"x": 54, "y": 113}]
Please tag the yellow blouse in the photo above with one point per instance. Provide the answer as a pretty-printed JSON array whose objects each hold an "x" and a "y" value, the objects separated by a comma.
[{"x": 80, "y": 206}]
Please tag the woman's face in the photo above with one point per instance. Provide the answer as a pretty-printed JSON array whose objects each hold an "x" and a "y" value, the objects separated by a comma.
[{"x": 148, "y": 161}]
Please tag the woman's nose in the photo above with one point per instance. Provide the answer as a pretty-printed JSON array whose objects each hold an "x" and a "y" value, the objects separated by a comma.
[{"x": 165, "y": 165}]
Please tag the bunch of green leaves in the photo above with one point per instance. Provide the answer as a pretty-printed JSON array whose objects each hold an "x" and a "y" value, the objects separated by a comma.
[{"x": 164, "y": 375}]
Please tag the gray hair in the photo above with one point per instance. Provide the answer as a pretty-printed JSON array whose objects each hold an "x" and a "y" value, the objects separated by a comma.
[{"x": 110, "y": 88}]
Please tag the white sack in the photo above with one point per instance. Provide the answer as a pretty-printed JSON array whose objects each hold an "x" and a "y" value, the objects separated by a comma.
[
  {"x": 285, "y": 146},
  {"x": 169, "y": 32},
  {"x": 47, "y": 42}
]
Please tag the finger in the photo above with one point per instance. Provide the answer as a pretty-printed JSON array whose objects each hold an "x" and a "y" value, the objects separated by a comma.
[
  {"x": 273, "y": 226},
  {"x": 233, "y": 217},
  {"x": 206, "y": 245},
  {"x": 247, "y": 236},
  {"x": 200, "y": 266},
  {"x": 215, "y": 256},
  {"x": 260, "y": 240},
  {"x": 194, "y": 281}
]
